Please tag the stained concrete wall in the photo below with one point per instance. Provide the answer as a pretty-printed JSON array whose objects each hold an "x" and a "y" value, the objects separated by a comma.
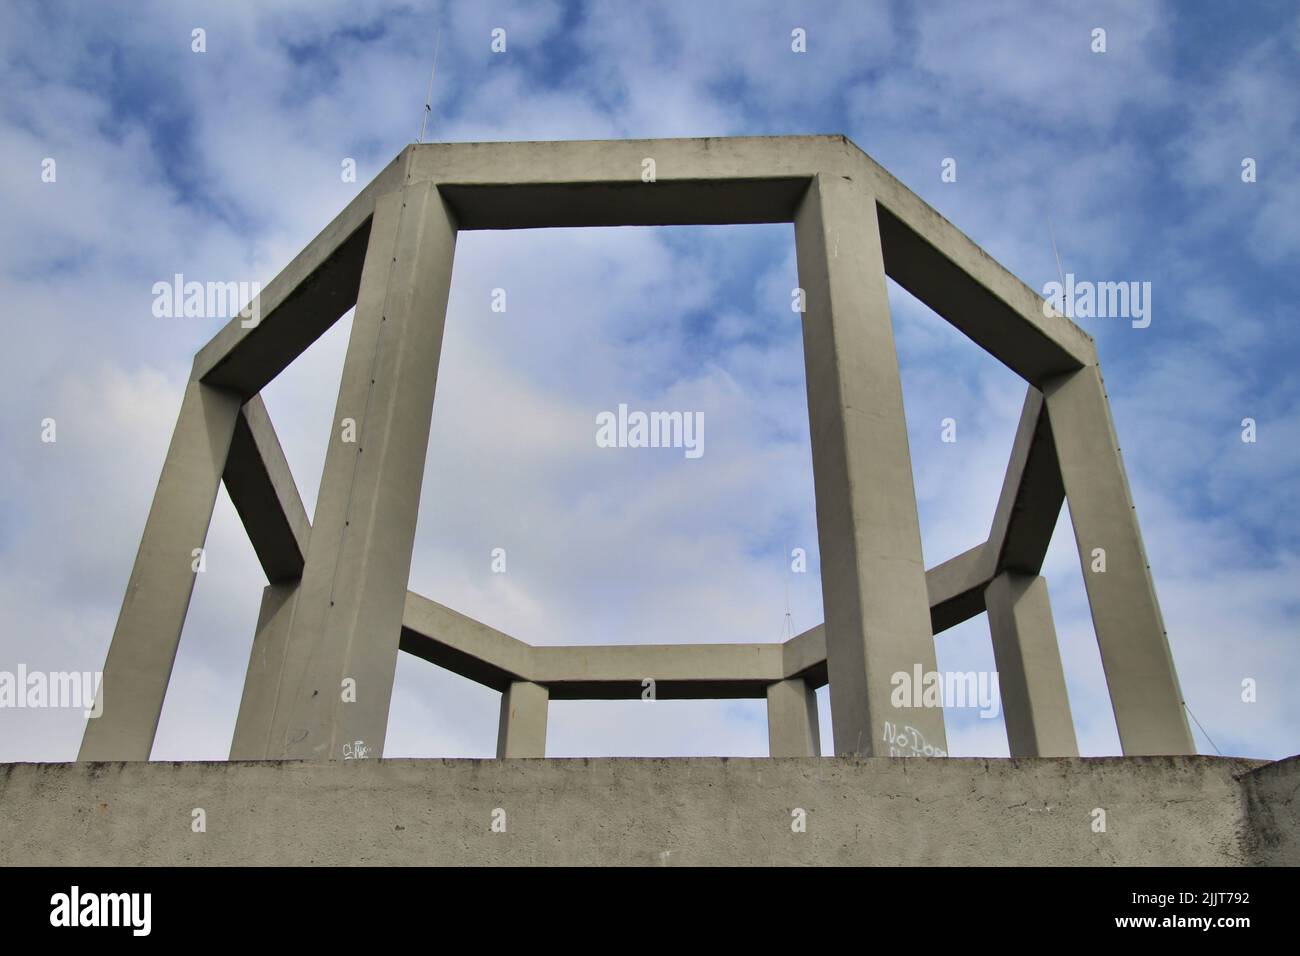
[{"x": 872, "y": 811}]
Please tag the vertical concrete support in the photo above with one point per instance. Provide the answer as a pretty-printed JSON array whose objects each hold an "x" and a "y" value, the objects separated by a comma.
[
  {"x": 873, "y": 578},
  {"x": 522, "y": 730},
  {"x": 1034, "y": 701},
  {"x": 347, "y": 622},
  {"x": 252, "y": 739},
  {"x": 158, "y": 594},
  {"x": 792, "y": 720},
  {"x": 1144, "y": 691}
]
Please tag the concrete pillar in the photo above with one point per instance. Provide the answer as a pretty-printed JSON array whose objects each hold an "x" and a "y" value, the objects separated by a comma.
[
  {"x": 1144, "y": 691},
  {"x": 1035, "y": 706},
  {"x": 157, "y": 598},
  {"x": 347, "y": 621},
  {"x": 265, "y": 671},
  {"x": 792, "y": 720},
  {"x": 522, "y": 730},
  {"x": 873, "y": 578}
]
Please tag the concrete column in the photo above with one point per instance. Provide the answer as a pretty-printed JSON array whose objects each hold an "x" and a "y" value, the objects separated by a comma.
[
  {"x": 792, "y": 720},
  {"x": 157, "y": 598},
  {"x": 873, "y": 578},
  {"x": 522, "y": 730},
  {"x": 265, "y": 671},
  {"x": 1034, "y": 701},
  {"x": 1144, "y": 691},
  {"x": 346, "y": 625}
]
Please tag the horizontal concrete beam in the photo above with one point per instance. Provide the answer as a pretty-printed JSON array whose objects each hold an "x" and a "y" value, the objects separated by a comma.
[
  {"x": 472, "y": 649},
  {"x": 746, "y": 179},
  {"x": 938, "y": 264},
  {"x": 749, "y": 180},
  {"x": 956, "y": 588},
  {"x": 272, "y": 511},
  {"x": 463, "y": 645},
  {"x": 804, "y": 656},
  {"x": 679, "y": 671},
  {"x": 303, "y": 301},
  {"x": 664, "y": 203},
  {"x": 603, "y": 182}
]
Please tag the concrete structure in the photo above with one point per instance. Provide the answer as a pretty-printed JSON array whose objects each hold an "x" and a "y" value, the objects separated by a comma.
[
  {"x": 710, "y": 811},
  {"x": 336, "y": 610}
]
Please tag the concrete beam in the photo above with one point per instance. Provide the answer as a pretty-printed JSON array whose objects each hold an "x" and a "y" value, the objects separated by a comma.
[
  {"x": 1035, "y": 705},
  {"x": 956, "y": 588},
  {"x": 252, "y": 737},
  {"x": 1032, "y": 494},
  {"x": 522, "y": 730},
  {"x": 873, "y": 578},
  {"x": 715, "y": 180},
  {"x": 463, "y": 645},
  {"x": 458, "y": 643},
  {"x": 697, "y": 181},
  {"x": 938, "y": 264},
  {"x": 263, "y": 491},
  {"x": 348, "y": 619},
  {"x": 148, "y": 631},
  {"x": 1144, "y": 690},
  {"x": 792, "y": 720},
  {"x": 679, "y": 671},
  {"x": 303, "y": 301},
  {"x": 804, "y": 655}
]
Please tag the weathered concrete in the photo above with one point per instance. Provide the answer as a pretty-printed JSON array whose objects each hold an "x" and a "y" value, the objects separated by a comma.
[
  {"x": 709, "y": 180},
  {"x": 252, "y": 737},
  {"x": 956, "y": 588},
  {"x": 337, "y": 612},
  {"x": 792, "y": 729},
  {"x": 347, "y": 619},
  {"x": 1032, "y": 493},
  {"x": 873, "y": 578},
  {"x": 1273, "y": 813},
  {"x": 868, "y": 811},
  {"x": 262, "y": 489},
  {"x": 300, "y": 304},
  {"x": 148, "y": 631},
  {"x": 1140, "y": 675},
  {"x": 1035, "y": 705},
  {"x": 522, "y": 728}
]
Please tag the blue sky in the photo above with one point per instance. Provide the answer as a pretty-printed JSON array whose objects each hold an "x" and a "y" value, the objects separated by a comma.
[{"x": 221, "y": 165}]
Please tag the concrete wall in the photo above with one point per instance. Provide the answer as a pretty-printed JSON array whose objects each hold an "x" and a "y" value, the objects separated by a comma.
[{"x": 873, "y": 811}]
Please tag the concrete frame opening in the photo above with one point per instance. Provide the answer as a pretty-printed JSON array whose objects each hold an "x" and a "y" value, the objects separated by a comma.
[{"x": 337, "y": 610}]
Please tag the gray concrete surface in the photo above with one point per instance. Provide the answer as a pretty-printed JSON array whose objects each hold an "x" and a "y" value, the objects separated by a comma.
[
  {"x": 869, "y": 811},
  {"x": 1035, "y": 704},
  {"x": 792, "y": 729},
  {"x": 347, "y": 619},
  {"x": 1140, "y": 674},
  {"x": 321, "y": 668},
  {"x": 148, "y": 633},
  {"x": 521, "y": 731},
  {"x": 874, "y": 590}
]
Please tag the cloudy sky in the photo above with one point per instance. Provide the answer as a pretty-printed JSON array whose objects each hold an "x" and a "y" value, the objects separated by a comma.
[{"x": 222, "y": 164}]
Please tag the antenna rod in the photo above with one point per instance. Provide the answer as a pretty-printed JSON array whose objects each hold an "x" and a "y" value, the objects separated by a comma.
[
  {"x": 1060, "y": 273},
  {"x": 428, "y": 97}
]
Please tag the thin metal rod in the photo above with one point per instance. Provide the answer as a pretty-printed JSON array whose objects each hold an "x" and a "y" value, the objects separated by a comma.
[{"x": 428, "y": 97}]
